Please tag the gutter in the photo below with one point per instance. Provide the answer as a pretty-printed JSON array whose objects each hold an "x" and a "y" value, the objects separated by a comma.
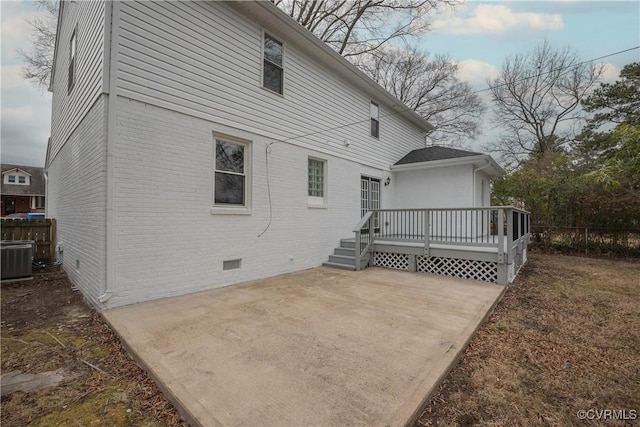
[
  {"x": 111, "y": 51},
  {"x": 456, "y": 161},
  {"x": 475, "y": 177}
]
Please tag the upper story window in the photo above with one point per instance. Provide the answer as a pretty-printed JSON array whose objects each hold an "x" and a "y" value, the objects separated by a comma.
[
  {"x": 16, "y": 179},
  {"x": 72, "y": 60},
  {"x": 273, "y": 71},
  {"x": 375, "y": 119},
  {"x": 231, "y": 174}
]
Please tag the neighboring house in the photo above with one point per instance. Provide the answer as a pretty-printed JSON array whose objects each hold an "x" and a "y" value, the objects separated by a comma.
[
  {"x": 23, "y": 189},
  {"x": 200, "y": 144}
]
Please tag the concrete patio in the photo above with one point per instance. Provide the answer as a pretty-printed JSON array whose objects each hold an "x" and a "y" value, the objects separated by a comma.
[{"x": 322, "y": 347}]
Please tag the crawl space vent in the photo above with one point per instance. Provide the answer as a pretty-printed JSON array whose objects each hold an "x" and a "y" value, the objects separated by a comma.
[{"x": 231, "y": 264}]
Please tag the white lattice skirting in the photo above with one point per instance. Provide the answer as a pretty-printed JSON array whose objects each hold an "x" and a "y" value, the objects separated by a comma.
[
  {"x": 485, "y": 271},
  {"x": 466, "y": 269},
  {"x": 391, "y": 260}
]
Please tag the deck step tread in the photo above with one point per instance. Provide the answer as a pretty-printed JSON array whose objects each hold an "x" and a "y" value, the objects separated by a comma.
[{"x": 340, "y": 266}]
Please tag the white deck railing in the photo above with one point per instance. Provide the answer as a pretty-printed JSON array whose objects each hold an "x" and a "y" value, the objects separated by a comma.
[{"x": 503, "y": 229}]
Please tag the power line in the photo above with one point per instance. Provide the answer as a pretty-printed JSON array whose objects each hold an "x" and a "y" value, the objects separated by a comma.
[
  {"x": 404, "y": 110},
  {"x": 567, "y": 68}
]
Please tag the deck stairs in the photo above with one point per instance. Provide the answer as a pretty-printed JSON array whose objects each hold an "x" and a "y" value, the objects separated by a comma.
[{"x": 344, "y": 256}]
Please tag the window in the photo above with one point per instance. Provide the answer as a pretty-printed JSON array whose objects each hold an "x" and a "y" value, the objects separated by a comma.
[
  {"x": 230, "y": 186},
  {"x": 22, "y": 180},
  {"x": 39, "y": 202},
  {"x": 72, "y": 60},
  {"x": 272, "y": 73},
  {"x": 375, "y": 119},
  {"x": 317, "y": 181},
  {"x": 12, "y": 178}
]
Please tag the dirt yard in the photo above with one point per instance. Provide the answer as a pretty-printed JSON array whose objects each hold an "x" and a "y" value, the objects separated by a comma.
[
  {"x": 564, "y": 339},
  {"x": 47, "y": 328}
]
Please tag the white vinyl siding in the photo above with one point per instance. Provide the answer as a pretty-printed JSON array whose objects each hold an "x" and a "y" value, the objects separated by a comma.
[
  {"x": 171, "y": 56},
  {"x": 87, "y": 20}
]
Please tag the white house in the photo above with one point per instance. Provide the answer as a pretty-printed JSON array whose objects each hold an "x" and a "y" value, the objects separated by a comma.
[{"x": 200, "y": 144}]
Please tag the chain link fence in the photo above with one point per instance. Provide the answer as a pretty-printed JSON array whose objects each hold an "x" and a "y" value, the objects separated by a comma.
[{"x": 589, "y": 241}]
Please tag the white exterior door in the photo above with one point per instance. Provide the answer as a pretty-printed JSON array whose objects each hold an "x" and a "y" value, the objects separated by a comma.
[{"x": 370, "y": 198}]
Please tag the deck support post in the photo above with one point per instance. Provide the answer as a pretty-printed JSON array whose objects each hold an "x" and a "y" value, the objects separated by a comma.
[
  {"x": 510, "y": 237},
  {"x": 358, "y": 248},
  {"x": 503, "y": 274},
  {"x": 426, "y": 227},
  {"x": 501, "y": 259}
]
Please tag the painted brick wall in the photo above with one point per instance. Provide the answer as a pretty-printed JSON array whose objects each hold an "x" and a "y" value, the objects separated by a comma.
[
  {"x": 76, "y": 196},
  {"x": 167, "y": 240}
]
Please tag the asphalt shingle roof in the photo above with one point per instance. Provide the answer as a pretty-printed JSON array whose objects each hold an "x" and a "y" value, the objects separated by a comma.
[
  {"x": 434, "y": 153},
  {"x": 36, "y": 185}
]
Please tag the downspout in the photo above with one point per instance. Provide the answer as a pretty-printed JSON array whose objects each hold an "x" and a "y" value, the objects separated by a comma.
[
  {"x": 110, "y": 82},
  {"x": 475, "y": 171}
]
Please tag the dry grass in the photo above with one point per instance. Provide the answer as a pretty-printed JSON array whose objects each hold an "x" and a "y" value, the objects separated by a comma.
[
  {"x": 46, "y": 326},
  {"x": 565, "y": 337}
]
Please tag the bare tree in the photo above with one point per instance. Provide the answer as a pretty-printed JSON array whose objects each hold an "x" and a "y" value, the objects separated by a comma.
[
  {"x": 536, "y": 100},
  {"x": 39, "y": 60},
  {"x": 430, "y": 87},
  {"x": 354, "y": 27}
]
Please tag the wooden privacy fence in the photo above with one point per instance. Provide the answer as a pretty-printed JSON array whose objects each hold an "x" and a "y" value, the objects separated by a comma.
[{"x": 41, "y": 231}]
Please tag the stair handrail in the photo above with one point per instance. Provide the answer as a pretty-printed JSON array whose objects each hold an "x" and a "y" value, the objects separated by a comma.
[
  {"x": 363, "y": 221},
  {"x": 366, "y": 219}
]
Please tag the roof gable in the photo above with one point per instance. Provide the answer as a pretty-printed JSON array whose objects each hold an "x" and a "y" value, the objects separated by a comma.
[{"x": 15, "y": 170}]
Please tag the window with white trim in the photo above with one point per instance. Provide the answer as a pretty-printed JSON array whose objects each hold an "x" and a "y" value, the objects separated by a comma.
[
  {"x": 317, "y": 183},
  {"x": 273, "y": 68},
  {"x": 231, "y": 183},
  {"x": 12, "y": 179},
  {"x": 22, "y": 180},
  {"x": 72, "y": 60},
  {"x": 375, "y": 119}
]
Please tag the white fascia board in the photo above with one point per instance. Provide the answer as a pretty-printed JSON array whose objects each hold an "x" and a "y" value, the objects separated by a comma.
[
  {"x": 55, "y": 45},
  {"x": 16, "y": 170},
  {"x": 268, "y": 12},
  {"x": 481, "y": 160}
]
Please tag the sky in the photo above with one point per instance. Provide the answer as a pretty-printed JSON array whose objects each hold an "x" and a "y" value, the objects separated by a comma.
[{"x": 479, "y": 35}]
